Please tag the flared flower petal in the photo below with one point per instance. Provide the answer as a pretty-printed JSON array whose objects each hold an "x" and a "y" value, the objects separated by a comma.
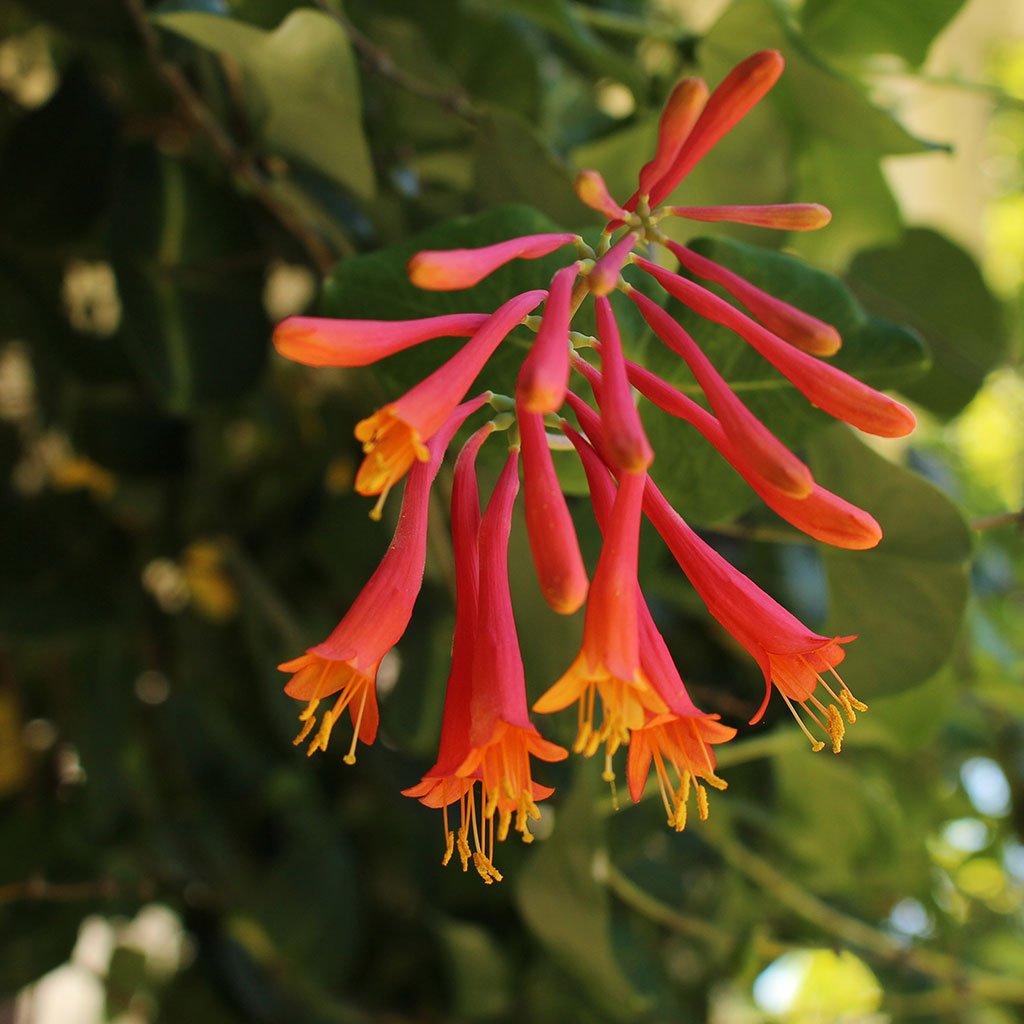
[
  {"x": 544, "y": 375},
  {"x": 556, "y": 551},
  {"x": 346, "y": 663},
  {"x": 608, "y": 665},
  {"x": 452, "y": 269},
  {"x": 502, "y": 739},
  {"x": 791, "y": 656},
  {"x": 320, "y": 341},
  {"x": 394, "y": 437}
]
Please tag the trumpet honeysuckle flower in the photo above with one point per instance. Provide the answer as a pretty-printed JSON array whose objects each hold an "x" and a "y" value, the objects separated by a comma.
[
  {"x": 441, "y": 785},
  {"x": 346, "y": 663},
  {"x": 452, "y": 269},
  {"x": 320, "y": 341},
  {"x": 791, "y": 656},
  {"x": 502, "y": 739},
  {"x": 608, "y": 665},
  {"x": 395, "y": 436},
  {"x": 544, "y": 375},
  {"x": 627, "y": 687},
  {"x": 556, "y": 551},
  {"x": 807, "y": 332},
  {"x": 773, "y": 460},
  {"x": 678, "y": 740}
]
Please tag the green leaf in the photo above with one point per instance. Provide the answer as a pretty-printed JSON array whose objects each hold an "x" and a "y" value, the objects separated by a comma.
[
  {"x": 303, "y": 89},
  {"x": 855, "y": 28},
  {"x": 514, "y": 165},
  {"x": 935, "y": 286},
  {"x": 850, "y": 182},
  {"x": 182, "y": 250},
  {"x": 566, "y": 906},
  {"x": 480, "y": 976},
  {"x": 906, "y": 597}
]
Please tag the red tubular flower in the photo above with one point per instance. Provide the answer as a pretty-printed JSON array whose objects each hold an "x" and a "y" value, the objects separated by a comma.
[
  {"x": 544, "y": 375},
  {"x": 346, "y": 662},
  {"x": 773, "y": 460},
  {"x": 739, "y": 91},
  {"x": 781, "y": 216},
  {"x": 821, "y": 514},
  {"x": 441, "y": 785},
  {"x": 393, "y": 437},
  {"x": 608, "y": 664},
  {"x": 628, "y": 443},
  {"x": 501, "y": 736},
  {"x": 605, "y": 275},
  {"x": 592, "y": 190},
  {"x": 790, "y": 655},
  {"x": 678, "y": 740},
  {"x": 807, "y": 332},
  {"x": 682, "y": 109},
  {"x": 319, "y": 341},
  {"x": 838, "y": 393},
  {"x": 556, "y": 551},
  {"x": 452, "y": 269}
]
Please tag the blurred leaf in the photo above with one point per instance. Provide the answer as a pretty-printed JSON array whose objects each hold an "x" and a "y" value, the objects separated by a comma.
[
  {"x": 479, "y": 972},
  {"x": 60, "y": 563},
  {"x": 558, "y": 18},
  {"x": 906, "y": 597},
  {"x": 305, "y": 97},
  {"x": 182, "y": 250},
  {"x": 56, "y": 164},
  {"x": 850, "y": 182},
  {"x": 125, "y": 435},
  {"x": 963, "y": 325},
  {"x": 513, "y": 165},
  {"x": 846, "y": 28},
  {"x": 567, "y": 907},
  {"x": 910, "y": 720},
  {"x": 825, "y": 102}
]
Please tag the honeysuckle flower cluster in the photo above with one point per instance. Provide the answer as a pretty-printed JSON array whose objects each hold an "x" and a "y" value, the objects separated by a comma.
[{"x": 626, "y": 689}]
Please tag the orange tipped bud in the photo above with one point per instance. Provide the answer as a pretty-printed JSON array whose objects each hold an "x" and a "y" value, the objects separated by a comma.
[
  {"x": 544, "y": 375},
  {"x": 605, "y": 275},
  {"x": 682, "y": 108},
  {"x": 781, "y": 216},
  {"x": 739, "y": 91},
  {"x": 451, "y": 269},
  {"x": 806, "y": 332},
  {"x": 593, "y": 191}
]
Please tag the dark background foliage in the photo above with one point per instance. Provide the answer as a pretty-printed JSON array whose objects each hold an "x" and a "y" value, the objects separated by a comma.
[{"x": 176, "y": 516}]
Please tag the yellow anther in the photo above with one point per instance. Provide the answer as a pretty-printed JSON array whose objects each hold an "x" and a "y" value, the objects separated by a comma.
[
  {"x": 504, "y": 823},
  {"x": 835, "y": 728},
  {"x": 449, "y": 848},
  {"x": 462, "y": 845},
  {"x": 702, "y": 801},
  {"x": 323, "y": 736},
  {"x": 307, "y": 727}
]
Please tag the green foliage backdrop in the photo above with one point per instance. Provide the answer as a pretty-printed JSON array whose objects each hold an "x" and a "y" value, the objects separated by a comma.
[{"x": 177, "y": 517}]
